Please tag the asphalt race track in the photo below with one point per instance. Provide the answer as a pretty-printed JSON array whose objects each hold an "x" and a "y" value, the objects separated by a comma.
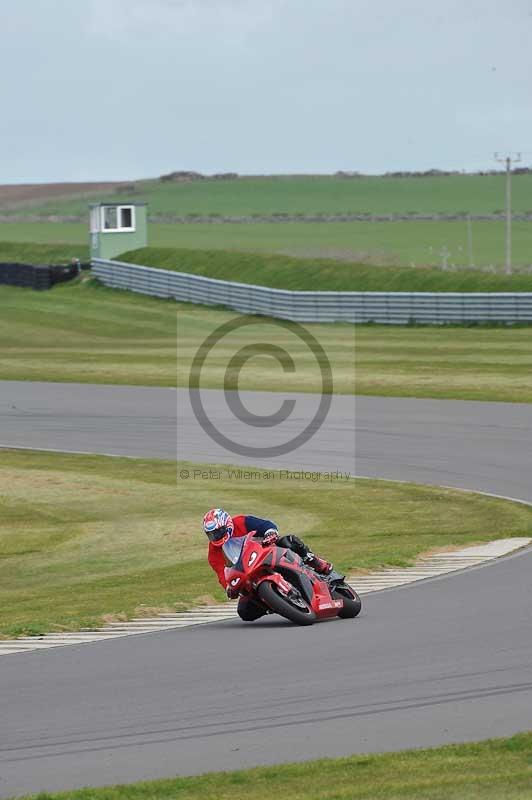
[
  {"x": 473, "y": 445},
  {"x": 442, "y": 661}
]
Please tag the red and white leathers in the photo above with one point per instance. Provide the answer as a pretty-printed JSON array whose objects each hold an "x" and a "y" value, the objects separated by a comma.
[{"x": 242, "y": 525}]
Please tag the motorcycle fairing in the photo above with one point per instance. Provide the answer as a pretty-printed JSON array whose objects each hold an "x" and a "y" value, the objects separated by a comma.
[{"x": 252, "y": 564}]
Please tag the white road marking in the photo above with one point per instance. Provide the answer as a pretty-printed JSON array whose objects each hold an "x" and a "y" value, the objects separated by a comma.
[{"x": 428, "y": 567}]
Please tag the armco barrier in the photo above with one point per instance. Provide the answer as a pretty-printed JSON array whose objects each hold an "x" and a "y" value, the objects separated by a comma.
[{"x": 395, "y": 308}]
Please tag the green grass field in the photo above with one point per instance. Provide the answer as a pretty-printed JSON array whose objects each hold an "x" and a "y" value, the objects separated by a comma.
[
  {"x": 460, "y": 363},
  {"x": 497, "y": 769},
  {"x": 83, "y": 538},
  {"x": 309, "y": 195},
  {"x": 87, "y": 333},
  {"x": 381, "y": 243}
]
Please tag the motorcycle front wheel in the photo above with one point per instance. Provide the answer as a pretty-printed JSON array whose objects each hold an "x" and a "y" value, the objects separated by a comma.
[
  {"x": 296, "y": 609},
  {"x": 351, "y": 600}
]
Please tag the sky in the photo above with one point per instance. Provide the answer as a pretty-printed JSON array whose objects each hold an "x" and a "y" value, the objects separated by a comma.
[{"x": 125, "y": 89}]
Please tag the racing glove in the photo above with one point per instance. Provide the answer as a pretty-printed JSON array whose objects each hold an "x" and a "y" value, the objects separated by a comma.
[
  {"x": 232, "y": 592},
  {"x": 270, "y": 537}
]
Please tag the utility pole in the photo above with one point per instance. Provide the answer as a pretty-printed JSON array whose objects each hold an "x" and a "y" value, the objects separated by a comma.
[
  {"x": 470, "y": 241},
  {"x": 508, "y": 160}
]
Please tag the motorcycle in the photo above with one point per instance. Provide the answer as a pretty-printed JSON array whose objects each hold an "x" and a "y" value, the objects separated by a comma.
[{"x": 281, "y": 580}]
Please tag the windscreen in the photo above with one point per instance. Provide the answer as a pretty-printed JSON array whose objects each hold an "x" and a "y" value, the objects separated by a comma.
[{"x": 233, "y": 548}]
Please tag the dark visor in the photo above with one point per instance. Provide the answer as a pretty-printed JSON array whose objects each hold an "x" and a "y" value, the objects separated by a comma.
[{"x": 215, "y": 536}]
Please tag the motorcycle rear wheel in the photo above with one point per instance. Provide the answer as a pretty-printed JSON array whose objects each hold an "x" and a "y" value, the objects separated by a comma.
[
  {"x": 271, "y": 597},
  {"x": 352, "y": 602}
]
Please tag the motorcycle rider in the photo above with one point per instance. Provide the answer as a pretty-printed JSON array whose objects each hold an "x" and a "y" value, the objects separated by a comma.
[{"x": 219, "y": 526}]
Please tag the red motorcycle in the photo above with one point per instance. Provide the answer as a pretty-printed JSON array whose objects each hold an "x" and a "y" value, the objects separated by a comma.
[{"x": 280, "y": 579}]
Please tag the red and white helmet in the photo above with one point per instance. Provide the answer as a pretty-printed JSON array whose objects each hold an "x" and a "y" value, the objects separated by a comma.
[{"x": 218, "y": 526}]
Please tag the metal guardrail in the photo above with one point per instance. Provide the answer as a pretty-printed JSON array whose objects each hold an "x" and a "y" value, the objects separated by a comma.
[{"x": 395, "y": 308}]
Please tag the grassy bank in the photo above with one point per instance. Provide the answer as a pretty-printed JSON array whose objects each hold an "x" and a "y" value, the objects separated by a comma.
[
  {"x": 284, "y": 272},
  {"x": 82, "y": 537},
  {"x": 87, "y": 333},
  {"x": 390, "y": 243},
  {"x": 492, "y": 770},
  {"x": 309, "y": 195},
  {"x": 29, "y": 253}
]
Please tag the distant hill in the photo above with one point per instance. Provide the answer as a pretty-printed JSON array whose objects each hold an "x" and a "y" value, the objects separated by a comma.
[{"x": 186, "y": 196}]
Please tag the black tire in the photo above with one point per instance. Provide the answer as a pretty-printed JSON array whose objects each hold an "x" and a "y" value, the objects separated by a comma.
[
  {"x": 271, "y": 597},
  {"x": 352, "y": 602}
]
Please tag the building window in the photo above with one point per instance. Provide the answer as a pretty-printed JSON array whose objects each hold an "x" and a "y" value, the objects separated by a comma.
[
  {"x": 118, "y": 218},
  {"x": 126, "y": 217},
  {"x": 110, "y": 218}
]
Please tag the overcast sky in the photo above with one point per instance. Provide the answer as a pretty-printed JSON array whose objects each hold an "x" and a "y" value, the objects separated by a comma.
[{"x": 116, "y": 89}]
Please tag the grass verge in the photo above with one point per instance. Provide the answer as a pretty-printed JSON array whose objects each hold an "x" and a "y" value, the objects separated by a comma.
[
  {"x": 491, "y": 770},
  {"x": 460, "y": 363},
  {"x": 82, "y": 537},
  {"x": 87, "y": 333}
]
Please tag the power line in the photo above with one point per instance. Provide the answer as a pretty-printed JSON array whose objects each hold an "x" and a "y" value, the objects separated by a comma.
[{"x": 508, "y": 161}]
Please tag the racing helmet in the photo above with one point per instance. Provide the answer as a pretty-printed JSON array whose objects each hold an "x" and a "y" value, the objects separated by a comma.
[{"x": 218, "y": 526}]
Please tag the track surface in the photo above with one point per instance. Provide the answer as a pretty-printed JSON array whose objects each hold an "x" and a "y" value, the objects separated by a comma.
[
  {"x": 447, "y": 660},
  {"x": 473, "y": 445}
]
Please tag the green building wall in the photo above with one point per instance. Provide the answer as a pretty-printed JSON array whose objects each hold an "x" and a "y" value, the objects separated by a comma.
[{"x": 109, "y": 244}]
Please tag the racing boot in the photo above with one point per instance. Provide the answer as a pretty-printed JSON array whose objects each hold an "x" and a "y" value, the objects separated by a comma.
[{"x": 318, "y": 564}]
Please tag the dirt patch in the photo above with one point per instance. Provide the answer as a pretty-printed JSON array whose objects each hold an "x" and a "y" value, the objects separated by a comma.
[
  {"x": 107, "y": 619},
  {"x": 208, "y": 600},
  {"x": 152, "y": 611}
]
